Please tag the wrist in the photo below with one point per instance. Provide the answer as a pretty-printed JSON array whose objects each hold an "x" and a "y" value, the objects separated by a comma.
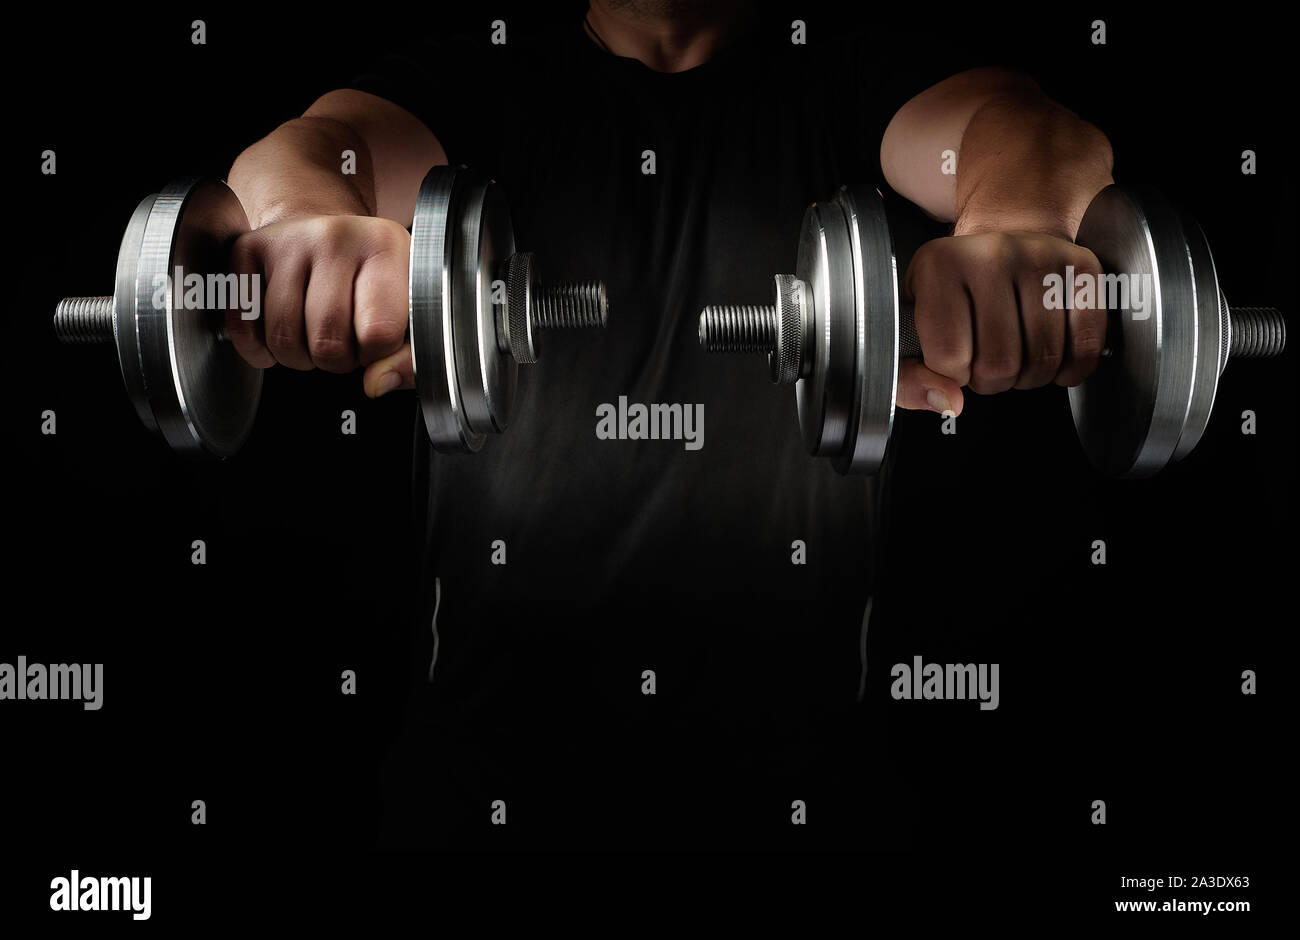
[
  {"x": 1055, "y": 211},
  {"x": 297, "y": 170},
  {"x": 297, "y": 205},
  {"x": 1029, "y": 167}
]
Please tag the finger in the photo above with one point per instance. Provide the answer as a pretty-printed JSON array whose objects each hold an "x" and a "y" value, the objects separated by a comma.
[
  {"x": 327, "y": 313},
  {"x": 1085, "y": 331},
  {"x": 997, "y": 336},
  {"x": 391, "y": 372},
  {"x": 922, "y": 389},
  {"x": 941, "y": 313},
  {"x": 286, "y": 290},
  {"x": 246, "y": 335},
  {"x": 1043, "y": 331},
  {"x": 382, "y": 301}
]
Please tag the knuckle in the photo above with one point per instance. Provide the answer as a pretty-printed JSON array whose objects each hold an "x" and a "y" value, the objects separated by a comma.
[
  {"x": 1040, "y": 368},
  {"x": 253, "y": 352},
  {"x": 926, "y": 253},
  {"x": 242, "y": 334},
  {"x": 1042, "y": 258},
  {"x": 1086, "y": 262},
  {"x": 329, "y": 234},
  {"x": 387, "y": 236},
  {"x": 245, "y": 253},
  {"x": 374, "y": 332},
  {"x": 1087, "y": 340},
  {"x": 920, "y": 270},
  {"x": 938, "y": 255},
  {"x": 1049, "y": 357},
  {"x": 331, "y": 353},
  {"x": 281, "y": 340},
  {"x": 946, "y": 353},
  {"x": 997, "y": 366},
  {"x": 998, "y": 248}
]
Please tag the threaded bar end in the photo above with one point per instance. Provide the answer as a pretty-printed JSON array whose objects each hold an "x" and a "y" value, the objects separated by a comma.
[
  {"x": 738, "y": 328},
  {"x": 1257, "y": 332},
  {"x": 570, "y": 305},
  {"x": 84, "y": 320}
]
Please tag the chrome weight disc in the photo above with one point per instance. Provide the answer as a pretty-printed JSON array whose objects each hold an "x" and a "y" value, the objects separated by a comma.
[
  {"x": 185, "y": 383},
  {"x": 1156, "y": 387},
  {"x": 846, "y": 263},
  {"x": 460, "y": 238}
]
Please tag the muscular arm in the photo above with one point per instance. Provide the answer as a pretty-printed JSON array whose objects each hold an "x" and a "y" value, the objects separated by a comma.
[
  {"x": 1024, "y": 162},
  {"x": 332, "y": 247},
  {"x": 296, "y": 170},
  {"x": 1026, "y": 170}
]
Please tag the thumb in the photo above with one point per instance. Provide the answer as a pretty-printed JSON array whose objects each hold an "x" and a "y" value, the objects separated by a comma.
[
  {"x": 920, "y": 388},
  {"x": 393, "y": 371}
]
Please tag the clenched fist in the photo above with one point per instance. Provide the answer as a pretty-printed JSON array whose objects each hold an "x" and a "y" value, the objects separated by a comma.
[
  {"x": 335, "y": 297},
  {"x": 981, "y": 320}
]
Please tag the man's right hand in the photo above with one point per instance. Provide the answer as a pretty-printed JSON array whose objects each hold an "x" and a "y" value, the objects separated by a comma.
[{"x": 334, "y": 297}]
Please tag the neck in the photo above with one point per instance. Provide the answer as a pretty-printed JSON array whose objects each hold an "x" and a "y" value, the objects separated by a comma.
[{"x": 665, "y": 35}]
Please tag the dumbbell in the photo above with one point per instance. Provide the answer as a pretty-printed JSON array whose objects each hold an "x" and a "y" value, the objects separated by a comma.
[
  {"x": 476, "y": 307},
  {"x": 837, "y": 329}
]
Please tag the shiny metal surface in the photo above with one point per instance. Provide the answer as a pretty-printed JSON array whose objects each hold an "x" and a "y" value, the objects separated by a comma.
[
  {"x": 1147, "y": 403},
  {"x": 87, "y": 320},
  {"x": 1253, "y": 333},
  {"x": 1132, "y": 410},
  {"x": 794, "y": 331},
  {"x": 484, "y": 240},
  {"x": 433, "y": 338},
  {"x": 195, "y": 391},
  {"x": 824, "y": 399},
  {"x": 846, "y": 398},
  {"x": 467, "y": 340},
  {"x": 876, "y": 334},
  {"x": 187, "y": 382},
  {"x": 740, "y": 328},
  {"x": 521, "y": 286},
  {"x": 833, "y": 330},
  {"x": 124, "y": 304},
  {"x": 1212, "y": 328},
  {"x": 569, "y": 305}
]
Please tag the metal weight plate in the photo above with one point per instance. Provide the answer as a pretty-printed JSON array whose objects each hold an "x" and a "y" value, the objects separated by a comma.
[
  {"x": 488, "y": 376},
  {"x": 877, "y": 331},
  {"x": 1133, "y": 409},
  {"x": 460, "y": 234},
  {"x": 1211, "y": 313},
  {"x": 433, "y": 341},
  {"x": 186, "y": 384},
  {"x": 823, "y": 397},
  {"x": 846, "y": 262}
]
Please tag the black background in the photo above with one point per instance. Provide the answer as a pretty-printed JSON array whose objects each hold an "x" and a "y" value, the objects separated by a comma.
[{"x": 1119, "y": 683}]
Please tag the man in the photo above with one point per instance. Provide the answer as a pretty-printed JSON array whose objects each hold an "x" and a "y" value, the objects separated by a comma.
[{"x": 670, "y": 649}]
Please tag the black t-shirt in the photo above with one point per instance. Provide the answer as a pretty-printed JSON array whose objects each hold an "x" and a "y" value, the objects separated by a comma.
[{"x": 624, "y": 556}]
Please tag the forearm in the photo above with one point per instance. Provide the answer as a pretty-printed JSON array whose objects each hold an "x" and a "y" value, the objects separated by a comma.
[
  {"x": 1028, "y": 164},
  {"x": 1022, "y": 162},
  {"x": 301, "y": 168},
  {"x": 297, "y": 169}
]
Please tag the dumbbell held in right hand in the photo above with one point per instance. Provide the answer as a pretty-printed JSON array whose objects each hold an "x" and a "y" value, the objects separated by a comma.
[
  {"x": 838, "y": 328},
  {"x": 475, "y": 307}
]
